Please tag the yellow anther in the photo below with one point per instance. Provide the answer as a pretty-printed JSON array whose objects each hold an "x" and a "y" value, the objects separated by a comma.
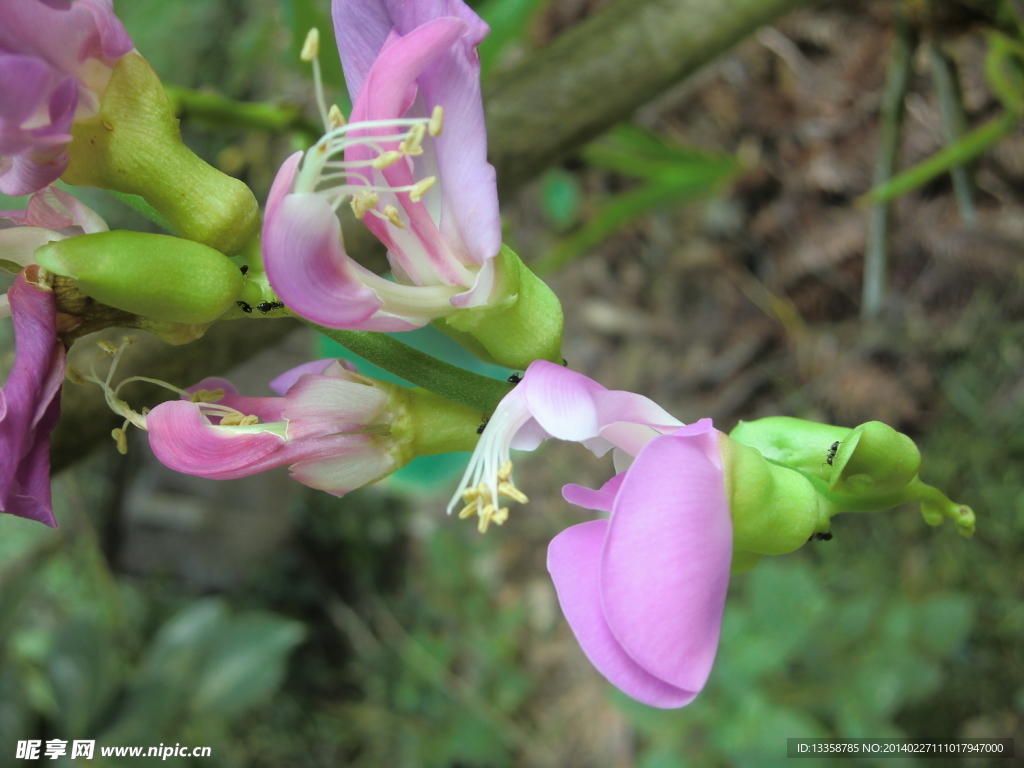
[
  {"x": 245, "y": 421},
  {"x": 231, "y": 420},
  {"x": 470, "y": 495},
  {"x": 120, "y": 439},
  {"x": 505, "y": 472},
  {"x": 469, "y": 510},
  {"x": 207, "y": 396},
  {"x": 334, "y": 117},
  {"x": 363, "y": 202},
  {"x": 436, "y": 121},
  {"x": 311, "y": 46},
  {"x": 485, "y": 518},
  {"x": 500, "y": 516},
  {"x": 509, "y": 490},
  {"x": 107, "y": 347},
  {"x": 129, "y": 340},
  {"x": 413, "y": 144},
  {"x": 420, "y": 187},
  {"x": 74, "y": 376},
  {"x": 483, "y": 489},
  {"x": 388, "y": 158},
  {"x": 391, "y": 214}
]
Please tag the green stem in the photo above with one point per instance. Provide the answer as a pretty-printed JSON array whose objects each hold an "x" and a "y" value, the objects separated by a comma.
[
  {"x": 970, "y": 145},
  {"x": 876, "y": 251},
  {"x": 221, "y": 112},
  {"x": 954, "y": 124},
  {"x": 421, "y": 369}
]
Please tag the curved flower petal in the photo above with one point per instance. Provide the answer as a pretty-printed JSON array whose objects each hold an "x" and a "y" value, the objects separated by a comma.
[
  {"x": 666, "y": 559},
  {"x": 307, "y": 265},
  {"x": 31, "y": 401},
  {"x": 601, "y": 500},
  {"x": 185, "y": 440},
  {"x": 574, "y": 561},
  {"x": 356, "y": 463},
  {"x": 361, "y": 28},
  {"x": 324, "y": 405},
  {"x": 563, "y": 402},
  {"x": 284, "y": 382},
  {"x": 54, "y": 208}
]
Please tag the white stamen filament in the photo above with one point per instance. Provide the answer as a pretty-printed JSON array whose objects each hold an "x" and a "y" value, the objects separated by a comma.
[
  {"x": 311, "y": 53},
  {"x": 489, "y": 474}
]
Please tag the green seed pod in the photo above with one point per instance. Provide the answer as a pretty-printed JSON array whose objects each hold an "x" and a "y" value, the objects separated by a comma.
[
  {"x": 874, "y": 459},
  {"x": 156, "y": 276},
  {"x": 134, "y": 146},
  {"x": 774, "y": 509},
  {"x": 522, "y": 322}
]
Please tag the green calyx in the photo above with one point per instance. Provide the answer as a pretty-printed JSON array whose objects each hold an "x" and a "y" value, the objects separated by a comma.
[
  {"x": 869, "y": 468},
  {"x": 427, "y": 424},
  {"x": 521, "y": 323},
  {"x": 775, "y": 509},
  {"x": 163, "y": 278},
  {"x": 134, "y": 146}
]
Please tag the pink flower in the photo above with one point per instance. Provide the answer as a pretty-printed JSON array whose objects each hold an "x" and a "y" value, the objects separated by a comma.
[
  {"x": 325, "y": 425},
  {"x": 51, "y": 215},
  {"x": 644, "y": 590},
  {"x": 428, "y": 194},
  {"x": 56, "y": 58},
  {"x": 30, "y": 400}
]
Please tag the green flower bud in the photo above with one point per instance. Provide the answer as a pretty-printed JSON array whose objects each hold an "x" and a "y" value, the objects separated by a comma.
[
  {"x": 429, "y": 423},
  {"x": 156, "y": 276},
  {"x": 874, "y": 459},
  {"x": 774, "y": 509},
  {"x": 134, "y": 146},
  {"x": 521, "y": 323}
]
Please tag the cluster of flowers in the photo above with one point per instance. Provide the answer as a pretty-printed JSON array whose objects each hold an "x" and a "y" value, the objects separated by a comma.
[{"x": 643, "y": 588}]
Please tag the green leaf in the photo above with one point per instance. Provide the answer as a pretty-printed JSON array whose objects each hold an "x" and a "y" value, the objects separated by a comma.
[
  {"x": 508, "y": 20},
  {"x": 560, "y": 198},
  {"x": 246, "y": 663},
  {"x": 84, "y": 671}
]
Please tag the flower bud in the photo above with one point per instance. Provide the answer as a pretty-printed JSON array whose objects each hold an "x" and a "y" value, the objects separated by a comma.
[
  {"x": 802, "y": 445},
  {"x": 156, "y": 276},
  {"x": 521, "y": 322},
  {"x": 133, "y": 145},
  {"x": 874, "y": 459}
]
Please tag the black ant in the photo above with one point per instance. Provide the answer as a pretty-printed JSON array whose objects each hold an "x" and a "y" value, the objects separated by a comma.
[
  {"x": 266, "y": 306},
  {"x": 515, "y": 378},
  {"x": 244, "y": 268},
  {"x": 245, "y": 307},
  {"x": 832, "y": 453},
  {"x": 482, "y": 427},
  {"x": 821, "y": 537}
]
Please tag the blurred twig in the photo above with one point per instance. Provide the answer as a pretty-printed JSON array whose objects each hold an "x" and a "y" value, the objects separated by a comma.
[
  {"x": 954, "y": 124},
  {"x": 875, "y": 254},
  {"x": 218, "y": 111}
]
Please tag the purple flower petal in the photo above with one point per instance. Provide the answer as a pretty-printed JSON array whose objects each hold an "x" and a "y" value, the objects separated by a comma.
[
  {"x": 284, "y": 382},
  {"x": 350, "y": 466},
  {"x": 574, "y": 561},
  {"x": 30, "y": 400},
  {"x": 24, "y": 81},
  {"x": 325, "y": 405},
  {"x": 666, "y": 559},
  {"x": 361, "y": 27}
]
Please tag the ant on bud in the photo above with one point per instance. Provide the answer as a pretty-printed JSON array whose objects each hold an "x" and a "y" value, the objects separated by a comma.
[
  {"x": 267, "y": 306},
  {"x": 821, "y": 537},
  {"x": 245, "y": 307},
  {"x": 832, "y": 453},
  {"x": 515, "y": 378},
  {"x": 482, "y": 427},
  {"x": 243, "y": 269}
]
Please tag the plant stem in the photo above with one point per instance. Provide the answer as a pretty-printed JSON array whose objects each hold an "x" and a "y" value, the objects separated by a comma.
[
  {"x": 954, "y": 124},
  {"x": 421, "y": 369},
  {"x": 222, "y": 112},
  {"x": 876, "y": 251}
]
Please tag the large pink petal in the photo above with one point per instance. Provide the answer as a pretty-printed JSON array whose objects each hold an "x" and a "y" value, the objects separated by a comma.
[
  {"x": 666, "y": 559},
  {"x": 307, "y": 265},
  {"x": 324, "y": 405},
  {"x": 361, "y": 27},
  {"x": 359, "y": 462},
  {"x": 563, "y": 402},
  {"x": 574, "y": 558}
]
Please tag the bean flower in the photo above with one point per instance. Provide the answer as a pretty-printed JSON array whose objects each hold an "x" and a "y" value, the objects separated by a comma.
[
  {"x": 412, "y": 164},
  {"x": 56, "y": 57}
]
